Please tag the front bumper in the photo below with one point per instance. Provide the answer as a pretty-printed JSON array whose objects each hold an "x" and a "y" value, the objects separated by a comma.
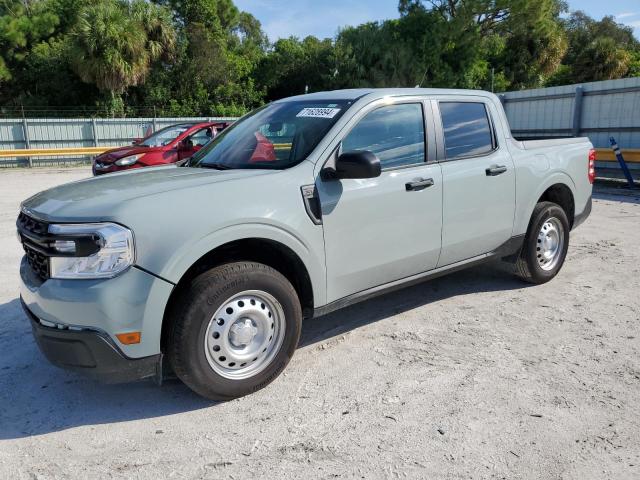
[
  {"x": 133, "y": 301},
  {"x": 91, "y": 353},
  {"x": 99, "y": 168}
]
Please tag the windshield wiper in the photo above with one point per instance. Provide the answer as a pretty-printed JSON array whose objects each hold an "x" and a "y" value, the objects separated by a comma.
[{"x": 216, "y": 166}]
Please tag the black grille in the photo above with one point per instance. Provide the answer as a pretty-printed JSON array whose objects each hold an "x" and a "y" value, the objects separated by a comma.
[
  {"x": 31, "y": 231},
  {"x": 38, "y": 262}
]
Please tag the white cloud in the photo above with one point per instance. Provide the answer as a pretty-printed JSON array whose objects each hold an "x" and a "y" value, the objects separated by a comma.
[
  {"x": 620, "y": 16},
  {"x": 630, "y": 19}
]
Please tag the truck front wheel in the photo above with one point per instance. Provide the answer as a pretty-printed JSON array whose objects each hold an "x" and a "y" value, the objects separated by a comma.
[
  {"x": 234, "y": 330},
  {"x": 545, "y": 245}
]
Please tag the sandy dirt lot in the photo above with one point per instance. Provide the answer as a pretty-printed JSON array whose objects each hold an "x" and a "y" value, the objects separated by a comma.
[{"x": 474, "y": 375}]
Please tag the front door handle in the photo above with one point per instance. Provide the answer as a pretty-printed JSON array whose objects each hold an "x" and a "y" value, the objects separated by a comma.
[
  {"x": 494, "y": 170},
  {"x": 419, "y": 184}
]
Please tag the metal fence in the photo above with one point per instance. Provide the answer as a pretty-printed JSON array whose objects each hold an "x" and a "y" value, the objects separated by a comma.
[
  {"x": 54, "y": 133},
  {"x": 598, "y": 110}
]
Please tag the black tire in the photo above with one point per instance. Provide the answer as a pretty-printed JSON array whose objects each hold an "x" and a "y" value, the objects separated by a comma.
[
  {"x": 195, "y": 308},
  {"x": 527, "y": 266}
]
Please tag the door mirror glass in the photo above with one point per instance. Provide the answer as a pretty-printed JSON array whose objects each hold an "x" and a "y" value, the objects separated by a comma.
[{"x": 355, "y": 164}]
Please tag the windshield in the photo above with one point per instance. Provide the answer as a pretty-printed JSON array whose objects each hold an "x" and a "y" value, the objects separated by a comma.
[
  {"x": 279, "y": 135},
  {"x": 165, "y": 136}
]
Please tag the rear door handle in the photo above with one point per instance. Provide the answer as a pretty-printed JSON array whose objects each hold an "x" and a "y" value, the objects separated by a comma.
[
  {"x": 494, "y": 170},
  {"x": 420, "y": 184}
]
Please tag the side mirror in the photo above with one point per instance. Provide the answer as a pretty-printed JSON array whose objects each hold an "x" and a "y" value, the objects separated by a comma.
[
  {"x": 355, "y": 164},
  {"x": 136, "y": 141}
]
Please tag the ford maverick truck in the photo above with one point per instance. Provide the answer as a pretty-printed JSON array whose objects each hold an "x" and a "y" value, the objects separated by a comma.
[{"x": 206, "y": 269}]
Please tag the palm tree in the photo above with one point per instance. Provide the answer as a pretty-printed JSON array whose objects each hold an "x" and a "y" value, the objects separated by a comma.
[
  {"x": 114, "y": 43},
  {"x": 156, "y": 22},
  {"x": 601, "y": 59}
]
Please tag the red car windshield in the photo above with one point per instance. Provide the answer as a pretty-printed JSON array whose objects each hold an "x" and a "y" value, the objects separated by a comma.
[
  {"x": 277, "y": 136},
  {"x": 165, "y": 136}
]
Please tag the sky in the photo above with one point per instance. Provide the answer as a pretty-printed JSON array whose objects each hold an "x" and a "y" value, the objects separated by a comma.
[{"x": 323, "y": 18}]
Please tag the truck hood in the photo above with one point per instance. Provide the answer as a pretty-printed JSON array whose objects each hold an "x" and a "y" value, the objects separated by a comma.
[{"x": 99, "y": 198}]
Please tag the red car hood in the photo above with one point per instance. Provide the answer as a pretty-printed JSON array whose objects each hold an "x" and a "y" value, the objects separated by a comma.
[{"x": 114, "y": 154}]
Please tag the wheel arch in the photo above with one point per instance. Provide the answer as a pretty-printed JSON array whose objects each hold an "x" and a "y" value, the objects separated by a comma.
[
  {"x": 557, "y": 188},
  {"x": 262, "y": 250},
  {"x": 561, "y": 195}
]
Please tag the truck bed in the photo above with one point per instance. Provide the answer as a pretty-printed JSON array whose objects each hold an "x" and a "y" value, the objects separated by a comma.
[{"x": 549, "y": 142}]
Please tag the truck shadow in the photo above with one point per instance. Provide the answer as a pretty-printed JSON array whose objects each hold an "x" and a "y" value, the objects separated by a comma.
[
  {"x": 38, "y": 398},
  {"x": 484, "y": 278}
]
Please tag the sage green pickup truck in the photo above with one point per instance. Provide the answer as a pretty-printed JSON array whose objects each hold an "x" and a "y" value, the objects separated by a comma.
[{"x": 207, "y": 269}]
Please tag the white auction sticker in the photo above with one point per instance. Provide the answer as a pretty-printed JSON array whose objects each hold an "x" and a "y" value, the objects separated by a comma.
[{"x": 318, "y": 112}]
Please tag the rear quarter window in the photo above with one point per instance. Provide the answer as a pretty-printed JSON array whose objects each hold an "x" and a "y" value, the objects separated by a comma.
[{"x": 467, "y": 129}]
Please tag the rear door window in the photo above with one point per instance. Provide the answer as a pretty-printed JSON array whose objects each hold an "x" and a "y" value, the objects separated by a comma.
[{"x": 467, "y": 130}]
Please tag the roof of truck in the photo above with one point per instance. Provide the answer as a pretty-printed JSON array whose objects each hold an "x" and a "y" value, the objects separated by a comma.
[{"x": 373, "y": 93}]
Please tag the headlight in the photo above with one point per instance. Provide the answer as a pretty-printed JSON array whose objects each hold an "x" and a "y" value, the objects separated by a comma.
[
  {"x": 130, "y": 160},
  {"x": 92, "y": 250}
]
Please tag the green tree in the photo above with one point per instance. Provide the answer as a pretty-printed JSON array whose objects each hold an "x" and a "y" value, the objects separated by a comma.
[
  {"x": 214, "y": 15},
  {"x": 207, "y": 57},
  {"x": 22, "y": 25},
  {"x": 522, "y": 41},
  {"x": 446, "y": 48},
  {"x": 217, "y": 51},
  {"x": 114, "y": 43},
  {"x": 634, "y": 64},
  {"x": 535, "y": 44},
  {"x": 376, "y": 55},
  {"x": 293, "y": 66},
  {"x": 598, "y": 50},
  {"x": 600, "y": 59}
]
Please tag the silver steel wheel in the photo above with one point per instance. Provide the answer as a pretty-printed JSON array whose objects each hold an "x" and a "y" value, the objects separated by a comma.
[
  {"x": 550, "y": 244},
  {"x": 245, "y": 334}
]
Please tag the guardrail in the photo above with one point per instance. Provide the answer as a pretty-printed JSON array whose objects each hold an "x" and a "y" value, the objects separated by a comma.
[
  {"x": 77, "y": 151},
  {"x": 631, "y": 155},
  {"x": 53, "y": 152}
]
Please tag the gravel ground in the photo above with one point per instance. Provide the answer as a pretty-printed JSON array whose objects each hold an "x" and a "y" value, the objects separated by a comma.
[{"x": 474, "y": 375}]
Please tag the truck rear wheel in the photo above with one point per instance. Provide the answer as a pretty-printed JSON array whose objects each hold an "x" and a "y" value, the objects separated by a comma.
[
  {"x": 545, "y": 245},
  {"x": 235, "y": 329}
]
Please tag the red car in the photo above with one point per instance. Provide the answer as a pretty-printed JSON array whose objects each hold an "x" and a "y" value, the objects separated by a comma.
[{"x": 160, "y": 148}]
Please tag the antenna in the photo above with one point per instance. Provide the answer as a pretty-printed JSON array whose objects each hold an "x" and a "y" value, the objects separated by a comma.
[{"x": 423, "y": 77}]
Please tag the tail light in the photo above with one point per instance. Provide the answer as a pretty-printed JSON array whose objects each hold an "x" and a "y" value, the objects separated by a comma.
[{"x": 592, "y": 165}]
